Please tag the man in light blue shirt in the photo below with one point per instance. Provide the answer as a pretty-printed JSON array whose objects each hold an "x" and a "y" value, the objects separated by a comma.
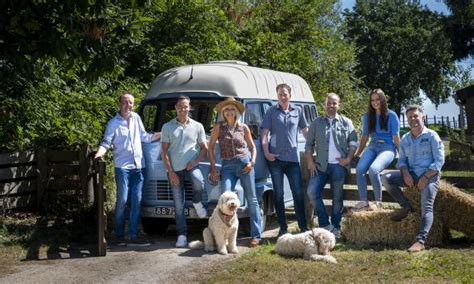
[
  {"x": 420, "y": 162},
  {"x": 334, "y": 140},
  {"x": 283, "y": 121},
  {"x": 183, "y": 146},
  {"x": 125, "y": 132}
]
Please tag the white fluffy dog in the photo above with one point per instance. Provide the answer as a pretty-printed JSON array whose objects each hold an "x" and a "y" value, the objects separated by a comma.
[
  {"x": 314, "y": 245},
  {"x": 221, "y": 231}
]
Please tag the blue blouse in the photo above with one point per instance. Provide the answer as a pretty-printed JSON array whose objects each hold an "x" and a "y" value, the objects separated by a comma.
[{"x": 393, "y": 128}]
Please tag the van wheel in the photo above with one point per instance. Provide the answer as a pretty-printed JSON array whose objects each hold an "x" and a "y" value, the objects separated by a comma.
[{"x": 153, "y": 226}]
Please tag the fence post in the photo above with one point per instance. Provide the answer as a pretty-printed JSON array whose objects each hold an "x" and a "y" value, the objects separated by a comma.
[
  {"x": 85, "y": 165},
  {"x": 101, "y": 216},
  {"x": 41, "y": 180}
]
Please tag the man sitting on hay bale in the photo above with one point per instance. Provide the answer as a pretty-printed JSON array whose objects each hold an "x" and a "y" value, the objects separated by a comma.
[{"x": 420, "y": 160}]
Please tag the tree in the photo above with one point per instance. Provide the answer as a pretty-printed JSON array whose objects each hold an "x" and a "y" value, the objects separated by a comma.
[
  {"x": 402, "y": 49},
  {"x": 460, "y": 27}
]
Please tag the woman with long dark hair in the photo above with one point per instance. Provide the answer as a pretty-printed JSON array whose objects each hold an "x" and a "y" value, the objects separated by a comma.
[{"x": 383, "y": 127}]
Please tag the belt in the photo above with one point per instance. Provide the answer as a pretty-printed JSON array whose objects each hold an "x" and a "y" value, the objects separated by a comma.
[{"x": 379, "y": 141}]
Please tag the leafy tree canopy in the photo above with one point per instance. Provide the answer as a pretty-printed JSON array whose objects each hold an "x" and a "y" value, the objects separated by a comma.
[
  {"x": 402, "y": 48},
  {"x": 460, "y": 27}
]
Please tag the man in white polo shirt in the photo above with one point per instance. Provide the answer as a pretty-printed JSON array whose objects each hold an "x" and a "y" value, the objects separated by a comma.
[{"x": 183, "y": 144}]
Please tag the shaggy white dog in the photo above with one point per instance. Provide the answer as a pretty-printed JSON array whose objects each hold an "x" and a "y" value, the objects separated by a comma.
[
  {"x": 314, "y": 245},
  {"x": 221, "y": 232}
]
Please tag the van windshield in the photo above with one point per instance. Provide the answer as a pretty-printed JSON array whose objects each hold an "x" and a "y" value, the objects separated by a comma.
[{"x": 156, "y": 113}]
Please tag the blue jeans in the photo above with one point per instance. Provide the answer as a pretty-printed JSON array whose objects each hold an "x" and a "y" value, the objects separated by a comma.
[
  {"x": 197, "y": 180},
  {"x": 292, "y": 171},
  {"x": 128, "y": 180},
  {"x": 232, "y": 171},
  {"x": 335, "y": 174},
  {"x": 375, "y": 159},
  {"x": 394, "y": 180}
]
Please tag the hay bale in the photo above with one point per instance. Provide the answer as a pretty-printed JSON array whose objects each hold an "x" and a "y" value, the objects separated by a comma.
[
  {"x": 453, "y": 209},
  {"x": 375, "y": 227},
  {"x": 456, "y": 208}
]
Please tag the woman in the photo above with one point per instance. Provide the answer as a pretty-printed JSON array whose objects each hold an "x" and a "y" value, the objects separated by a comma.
[
  {"x": 383, "y": 127},
  {"x": 234, "y": 138}
]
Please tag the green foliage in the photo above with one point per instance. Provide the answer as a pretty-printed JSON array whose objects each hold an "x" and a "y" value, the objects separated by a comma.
[
  {"x": 402, "y": 48},
  {"x": 65, "y": 62},
  {"x": 460, "y": 27}
]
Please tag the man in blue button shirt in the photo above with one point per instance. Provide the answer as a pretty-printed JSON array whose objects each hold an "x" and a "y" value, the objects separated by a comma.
[
  {"x": 334, "y": 140},
  {"x": 420, "y": 162},
  {"x": 125, "y": 132},
  {"x": 283, "y": 121}
]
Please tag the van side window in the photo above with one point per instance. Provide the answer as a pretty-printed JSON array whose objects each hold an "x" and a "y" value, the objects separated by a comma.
[
  {"x": 314, "y": 112},
  {"x": 307, "y": 114},
  {"x": 253, "y": 118}
]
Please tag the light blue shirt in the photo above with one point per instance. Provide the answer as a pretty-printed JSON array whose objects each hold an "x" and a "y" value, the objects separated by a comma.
[
  {"x": 317, "y": 140},
  {"x": 283, "y": 127},
  {"x": 184, "y": 140},
  {"x": 126, "y": 137},
  {"x": 393, "y": 128},
  {"x": 425, "y": 152}
]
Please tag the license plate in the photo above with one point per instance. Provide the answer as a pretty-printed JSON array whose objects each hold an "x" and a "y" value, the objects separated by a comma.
[{"x": 169, "y": 211}]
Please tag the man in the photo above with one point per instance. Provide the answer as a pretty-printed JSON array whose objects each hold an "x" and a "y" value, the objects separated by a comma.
[
  {"x": 125, "y": 132},
  {"x": 420, "y": 161},
  {"x": 283, "y": 121},
  {"x": 334, "y": 140},
  {"x": 183, "y": 146}
]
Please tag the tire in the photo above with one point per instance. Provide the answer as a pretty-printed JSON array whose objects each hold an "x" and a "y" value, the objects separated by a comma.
[{"x": 153, "y": 226}]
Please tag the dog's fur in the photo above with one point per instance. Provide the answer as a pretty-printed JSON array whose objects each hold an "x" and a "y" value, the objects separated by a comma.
[
  {"x": 314, "y": 245},
  {"x": 221, "y": 232}
]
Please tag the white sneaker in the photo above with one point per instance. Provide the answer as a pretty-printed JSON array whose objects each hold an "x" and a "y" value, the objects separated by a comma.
[
  {"x": 337, "y": 233},
  {"x": 182, "y": 241},
  {"x": 361, "y": 206},
  {"x": 200, "y": 210},
  {"x": 377, "y": 205},
  {"x": 329, "y": 227}
]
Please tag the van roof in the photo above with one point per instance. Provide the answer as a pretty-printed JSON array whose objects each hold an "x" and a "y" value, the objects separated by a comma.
[{"x": 228, "y": 78}]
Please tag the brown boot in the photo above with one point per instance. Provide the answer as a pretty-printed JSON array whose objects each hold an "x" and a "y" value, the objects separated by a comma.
[
  {"x": 416, "y": 247},
  {"x": 400, "y": 214}
]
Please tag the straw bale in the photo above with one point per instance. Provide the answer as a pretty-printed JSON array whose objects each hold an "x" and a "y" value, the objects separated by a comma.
[
  {"x": 456, "y": 208},
  {"x": 375, "y": 227}
]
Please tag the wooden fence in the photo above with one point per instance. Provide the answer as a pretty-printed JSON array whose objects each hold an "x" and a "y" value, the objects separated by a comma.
[
  {"x": 448, "y": 121},
  {"x": 32, "y": 180},
  {"x": 351, "y": 194}
]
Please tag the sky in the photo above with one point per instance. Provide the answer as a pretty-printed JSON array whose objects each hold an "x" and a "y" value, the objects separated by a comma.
[{"x": 448, "y": 109}]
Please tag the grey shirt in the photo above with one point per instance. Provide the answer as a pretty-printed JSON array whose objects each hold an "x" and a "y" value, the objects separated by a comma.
[
  {"x": 283, "y": 127},
  {"x": 317, "y": 140}
]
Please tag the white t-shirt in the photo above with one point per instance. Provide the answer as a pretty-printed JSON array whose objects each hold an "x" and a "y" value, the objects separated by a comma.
[{"x": 333, "y": 154}]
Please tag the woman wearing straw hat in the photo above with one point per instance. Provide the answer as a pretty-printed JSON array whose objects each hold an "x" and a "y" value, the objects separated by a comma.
[{"x": 235, "y": 141}]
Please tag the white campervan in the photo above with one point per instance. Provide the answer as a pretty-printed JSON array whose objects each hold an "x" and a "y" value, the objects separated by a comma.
[{"x": 207, "y": 85}]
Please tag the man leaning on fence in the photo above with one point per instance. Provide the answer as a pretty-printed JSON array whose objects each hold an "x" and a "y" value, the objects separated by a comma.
[
  {"x": 125, "y": 132},
  {"x": 420, "y": 161}
]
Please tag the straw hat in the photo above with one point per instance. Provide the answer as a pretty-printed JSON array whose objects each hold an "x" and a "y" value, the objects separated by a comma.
[{"x": 230, "y": 101}]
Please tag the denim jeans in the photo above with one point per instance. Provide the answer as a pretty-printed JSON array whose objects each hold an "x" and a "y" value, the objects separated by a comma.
[
  {"x": 394, "y": 180},
  {"x": 197, "y": 180},
  {"x": 375, "y": 159},
  {"x": 335, "y": 174},
  {"x": 232, "y": 171},
  {"x": 128, "y": 181},
  {"x": 292, "y": 171}
]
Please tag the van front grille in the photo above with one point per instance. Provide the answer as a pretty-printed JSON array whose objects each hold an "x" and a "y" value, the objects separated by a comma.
[{"x": 161, "y": 190}]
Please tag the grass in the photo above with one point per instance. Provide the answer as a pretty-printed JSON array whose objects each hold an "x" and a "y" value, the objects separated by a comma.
[
  {"x": 354, "y": 265},
  {"x": 453, "y": 263}
]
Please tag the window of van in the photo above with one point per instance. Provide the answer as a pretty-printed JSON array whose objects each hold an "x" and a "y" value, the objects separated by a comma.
[
  {"x": 253, "y": 118},
  {"x": 157, "y": 113}
]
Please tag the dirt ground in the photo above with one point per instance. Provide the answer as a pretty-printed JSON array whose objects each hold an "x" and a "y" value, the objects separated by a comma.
[{"x": 160, "y": 262}]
